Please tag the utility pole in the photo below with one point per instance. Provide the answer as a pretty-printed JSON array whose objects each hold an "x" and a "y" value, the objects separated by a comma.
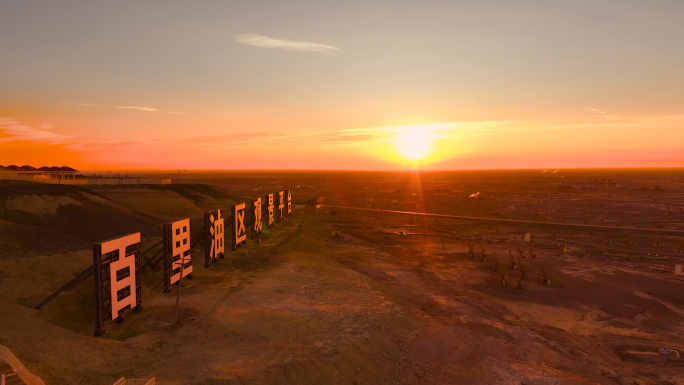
[
  {"x": 178, "y": 177},
  {"x": 180, "y": 286}
]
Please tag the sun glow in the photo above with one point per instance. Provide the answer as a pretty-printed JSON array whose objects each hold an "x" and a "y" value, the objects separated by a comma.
[{"x": 414, "y": 143}]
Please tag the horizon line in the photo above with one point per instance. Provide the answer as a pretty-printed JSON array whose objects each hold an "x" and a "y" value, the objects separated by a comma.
[{"x": 385, "y": 170}]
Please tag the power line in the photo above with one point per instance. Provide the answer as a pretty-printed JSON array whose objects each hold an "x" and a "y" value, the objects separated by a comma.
[{"x": 520, "y": 221}]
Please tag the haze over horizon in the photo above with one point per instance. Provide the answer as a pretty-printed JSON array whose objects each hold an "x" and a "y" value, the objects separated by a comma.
[{"x": 371, "y": 85}]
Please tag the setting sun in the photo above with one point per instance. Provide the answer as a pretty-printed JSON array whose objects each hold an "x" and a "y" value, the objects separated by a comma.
[{"x": 414, "y": 143}]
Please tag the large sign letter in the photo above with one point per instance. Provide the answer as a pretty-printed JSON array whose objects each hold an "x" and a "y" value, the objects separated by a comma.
[
  {"x": 256, "y": 213},
  {"x": 213, "y": 232},
  {"x": 239, "y": 229},
  {"x": 177, "y": 252},
  {"x": 269, "y": 206},
  {"x": 281, "y": 206},
  {"x": 116, "y": 266},
  {"x": 288, "y": 197}
]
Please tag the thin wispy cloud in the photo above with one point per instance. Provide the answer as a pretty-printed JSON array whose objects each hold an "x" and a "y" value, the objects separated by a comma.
[
  {"x": 18, "y": 131},
  {"x": 261, "y": 41},
  {"x": 593, "y": 110},
  {"x": 139, "y": 108},
  {"x": 148, "y": 109}
]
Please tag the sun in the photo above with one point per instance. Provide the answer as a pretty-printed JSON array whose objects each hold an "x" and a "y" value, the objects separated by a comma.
[{"x": 414, "y": 143}]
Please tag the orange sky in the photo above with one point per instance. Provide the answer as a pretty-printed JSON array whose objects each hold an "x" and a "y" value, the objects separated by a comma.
[{"x": 331, "y": 85}]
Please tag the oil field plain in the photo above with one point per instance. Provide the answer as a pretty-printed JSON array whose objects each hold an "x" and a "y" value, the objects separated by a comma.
[{"x": 358, "y": 286}]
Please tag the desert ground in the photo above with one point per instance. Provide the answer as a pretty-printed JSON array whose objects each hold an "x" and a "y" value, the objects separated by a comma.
[{"x": 395, "y": 300}]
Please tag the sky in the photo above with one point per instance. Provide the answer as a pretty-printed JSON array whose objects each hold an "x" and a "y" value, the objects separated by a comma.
[{"x": 358, "y": 85}]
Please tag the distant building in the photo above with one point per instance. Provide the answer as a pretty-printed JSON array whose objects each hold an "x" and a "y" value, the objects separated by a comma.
[
  {"x": 521, "y": 237},
  {"x": 679, "y": 269},
  {"x": 44, "y": 174}
]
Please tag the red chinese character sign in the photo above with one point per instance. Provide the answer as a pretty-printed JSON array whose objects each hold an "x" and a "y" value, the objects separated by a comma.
[
  {"x": 116, "y": 266},
  {"x": 281, "y": 206},
  {"x": 257, "y": 225},
  {"x": 177, "y": 252},
  {"x": 239, "y": 228},
  {"x": 214, "y": 236},
  {"x": 288, "y": 202},
  {"x": 270, "y": 209}
]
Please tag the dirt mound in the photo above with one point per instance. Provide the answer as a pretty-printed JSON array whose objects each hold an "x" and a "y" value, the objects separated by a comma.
[
  {"x": 163, "y": 205},
  {"x": 43, "y": 218},
  {"x": 19, "y": 241},
  {"x": 199, "y": 193},
  {"x": 13, "y": 187},
  {"x": 169, "y": 202},
  {"x": 70, "y": 210},
  {"x": 40, "y": 204}
]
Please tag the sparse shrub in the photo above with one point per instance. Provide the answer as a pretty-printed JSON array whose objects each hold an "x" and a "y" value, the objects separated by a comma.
[{"x": 124, "y": 335}]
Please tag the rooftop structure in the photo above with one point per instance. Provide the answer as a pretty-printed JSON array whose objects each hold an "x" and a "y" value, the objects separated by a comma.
[
  {"x": 44, "y": 169},
  {"x": 52, "y": 174}
]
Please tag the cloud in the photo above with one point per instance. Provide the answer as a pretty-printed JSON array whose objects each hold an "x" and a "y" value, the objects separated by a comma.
[
  {"x": 591, "y": 109},
  {"x": 139, "y": 108},
  {"x": 148, "y": 109},
  {"x": 17, "y": 131},
  {"x": 280, "y": 137},
  {"x": 288, "y": 45}
]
